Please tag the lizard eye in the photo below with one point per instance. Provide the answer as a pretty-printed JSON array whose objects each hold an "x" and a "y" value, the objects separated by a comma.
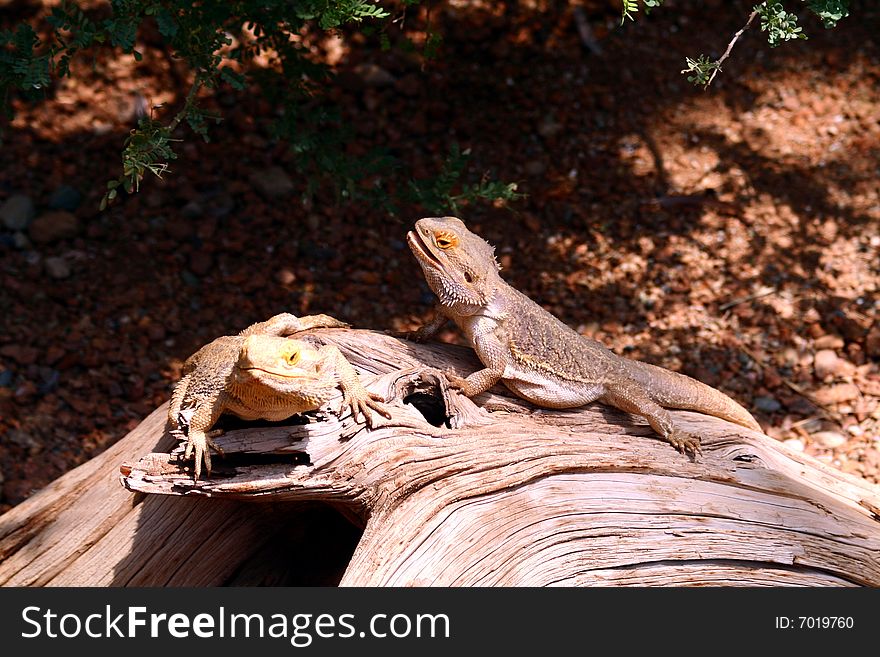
[
  {"x": 292, "y": 358},
  {"x": 468, "y": 277},
  {"x": 445, "y": 241}
]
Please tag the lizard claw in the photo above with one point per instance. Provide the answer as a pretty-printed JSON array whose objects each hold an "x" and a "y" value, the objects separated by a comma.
[
  {"x": 199, "y": 444},
  {"x": 456, "y": 382},
  {"x": 685, "y": 443},
  {"x": 363, "y": 403}
]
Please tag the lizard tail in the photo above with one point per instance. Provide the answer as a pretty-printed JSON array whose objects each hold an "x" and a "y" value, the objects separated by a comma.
[{"x": 674, "y": 390}]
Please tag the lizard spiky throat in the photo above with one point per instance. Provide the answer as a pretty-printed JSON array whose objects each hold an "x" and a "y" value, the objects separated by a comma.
[{"x": 443, "y": 247}]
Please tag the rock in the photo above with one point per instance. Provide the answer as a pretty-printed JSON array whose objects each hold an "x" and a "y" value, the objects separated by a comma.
[
  {"x": 535, "y": 168},
  {"x": 192, "y": 210},
  {"x": 549, "y": 128},
  {"x": 221, "y": 205},
  {"x": 872, "y": 342},
  {"x": 273, "y": 183},
  {"x": 842, "y": 392},
  {"x": 53, "y": 226},
  {"x": 21, "y": 241},
  {"x": 767, "y": 404},
  {"x": 374, "y": 76},
  {"x": 829, "y": 439},
  {"x": 22, "y": 439},
  {"x": 65, "y": 197},
  {"x": 830, "y": 341},
  {"x": 828, "y": 363},
  {"x": 17, "y": 212},
  {"x": 285, "y": 276},
  {"x": 57, "y": 268},
  {"x": 20, "y": 354}
]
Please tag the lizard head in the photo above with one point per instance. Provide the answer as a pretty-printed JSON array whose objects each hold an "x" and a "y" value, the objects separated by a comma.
[
  {"x": 282, "y": 364},
  {"x": 459, "y": 266}
]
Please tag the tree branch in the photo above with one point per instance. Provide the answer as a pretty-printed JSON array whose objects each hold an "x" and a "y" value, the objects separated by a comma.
[{"x": 730, "y": 47}]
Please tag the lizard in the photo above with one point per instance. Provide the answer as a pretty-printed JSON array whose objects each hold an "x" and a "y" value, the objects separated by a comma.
[
  {"x": 263, "y": 374},
  {"x": 537, "y": 356}
]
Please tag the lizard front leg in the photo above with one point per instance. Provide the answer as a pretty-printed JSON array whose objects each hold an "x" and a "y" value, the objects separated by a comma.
[
  {"x": 430, "y": 329},
  {"x": 354, "y": 395},
  {"x": 285, "y": 324},
  {"x": 627, "y": 396},
  {"x": 199, "y": 441},
  {"x": 492, "y": 350}
]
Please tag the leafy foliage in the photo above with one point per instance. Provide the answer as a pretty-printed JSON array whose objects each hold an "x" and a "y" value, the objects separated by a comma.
[
  {"x": 447, "y": 193},
  {"x": 219, "y": 41},
  {"x": 779, "y": 24},
  {"x": 632, "y": 6},
  {"x": 701, "y": 70}
]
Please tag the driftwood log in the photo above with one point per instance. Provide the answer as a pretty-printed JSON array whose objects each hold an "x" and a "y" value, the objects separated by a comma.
[{"x": 451, "y": 491}]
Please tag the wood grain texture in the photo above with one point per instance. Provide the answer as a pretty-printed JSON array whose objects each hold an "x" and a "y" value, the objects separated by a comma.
[{"x": 502, "y": 493}]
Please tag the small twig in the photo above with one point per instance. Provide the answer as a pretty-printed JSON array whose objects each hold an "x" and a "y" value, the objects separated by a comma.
[
  {"x": 834, "y": 415},
  {"x": 188, "y": 103},
  {"x": 585, "y": 31},
  {"x": 804, "y": 421},
  {"x": 763, "y": 292},
  {"x": 730, "y": 48}
]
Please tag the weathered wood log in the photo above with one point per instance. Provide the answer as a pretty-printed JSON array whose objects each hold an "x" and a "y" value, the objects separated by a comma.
[{"x": 451, "y": 492}]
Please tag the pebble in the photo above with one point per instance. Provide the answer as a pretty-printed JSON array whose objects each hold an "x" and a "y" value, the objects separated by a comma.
[
  {"x": 52, "y": 226},
  {"x": 828, "y": 439},
  {"x": 57, "y": 268},
  {"x": 535, "y": 168},
  {"x": 20, "y": 354},
  {"x": 221, "y": 205},
  {"x": 23, "y": 439},
  {"x": 21, "y": 241},
  {"x": 65, "y": 197},
  {"x": 192, "y": 210},
  {"x": 767, "y": 404},
  {"x": 374, "y": 76},
  {"x": 273, "y": 183},
  {"x": 794, "y": 444},
  {"x": 827, "y": 363},
  {"x": 549, "y": 128},
  {"x": 17, "y": 212},
  {"x": 189, "y": 278},
  {"x": 836, "y": 394},
  {"x": 872, "y": 341}
]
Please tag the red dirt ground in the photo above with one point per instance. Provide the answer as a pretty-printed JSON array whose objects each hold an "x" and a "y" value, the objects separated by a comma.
[{"x": 732, "y": 234}]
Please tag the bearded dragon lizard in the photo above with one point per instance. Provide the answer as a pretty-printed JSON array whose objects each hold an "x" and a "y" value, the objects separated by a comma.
[
  {"x": 262, "y": 374},
  {"x": 537, "y": 356}
]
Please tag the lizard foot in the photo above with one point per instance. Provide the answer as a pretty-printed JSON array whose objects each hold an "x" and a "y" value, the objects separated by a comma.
[
  {"x": 364, "y": 402},
  {"x": 200, "y": 444},
  {"x": 685, "y": 442},
  {"x": 456, "y": 382}
]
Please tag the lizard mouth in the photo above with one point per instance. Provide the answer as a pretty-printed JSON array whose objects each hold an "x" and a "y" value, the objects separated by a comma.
[
  {"x": 420, "y": 250},
  {"x": 282, "y": 375}
]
